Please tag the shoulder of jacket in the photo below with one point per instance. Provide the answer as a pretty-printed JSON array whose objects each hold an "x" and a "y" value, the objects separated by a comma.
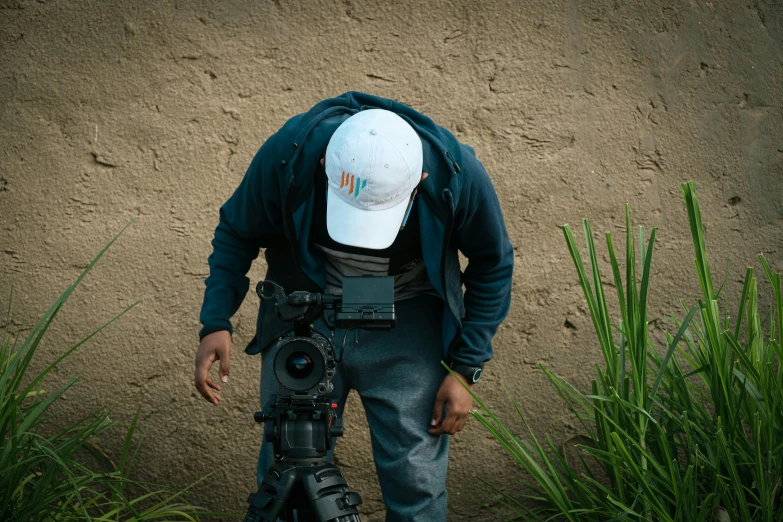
[{"x": 473, "y": 170}]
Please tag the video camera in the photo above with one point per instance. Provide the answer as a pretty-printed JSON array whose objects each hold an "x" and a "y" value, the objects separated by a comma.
[{"x": 306, "y": 361}]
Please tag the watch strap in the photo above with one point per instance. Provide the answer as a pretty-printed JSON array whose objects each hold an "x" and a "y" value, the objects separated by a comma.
[{"x": 471, "y": 373}]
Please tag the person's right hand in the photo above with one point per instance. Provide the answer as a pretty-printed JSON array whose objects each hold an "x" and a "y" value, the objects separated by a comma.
[{"x": 213, "y": 347}]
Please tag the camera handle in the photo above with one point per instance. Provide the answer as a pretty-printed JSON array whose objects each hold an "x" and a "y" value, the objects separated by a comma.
[{"x": 298, "y": 307}]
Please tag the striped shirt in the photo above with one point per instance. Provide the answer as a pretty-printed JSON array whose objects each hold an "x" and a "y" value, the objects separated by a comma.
[{"x": 410, "y": 283}]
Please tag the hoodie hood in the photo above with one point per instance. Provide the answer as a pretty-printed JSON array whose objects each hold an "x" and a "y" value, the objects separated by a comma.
[{"x": 306, "y": 136}]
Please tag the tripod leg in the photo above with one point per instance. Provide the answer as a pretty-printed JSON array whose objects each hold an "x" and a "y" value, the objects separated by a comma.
[
  {"x": 269, "y": 502},
  {"x": 258, "y": 510},
  {"x": 328, "y": 495}
]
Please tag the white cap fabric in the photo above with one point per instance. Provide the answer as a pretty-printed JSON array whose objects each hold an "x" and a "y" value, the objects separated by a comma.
[{"x": 373, "y": 163}]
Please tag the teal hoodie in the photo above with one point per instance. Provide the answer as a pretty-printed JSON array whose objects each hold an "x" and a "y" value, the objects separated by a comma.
[{"x": 273, "y": 205}]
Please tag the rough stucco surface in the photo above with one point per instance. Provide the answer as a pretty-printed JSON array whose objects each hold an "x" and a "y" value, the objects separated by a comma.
[{"x": 110, "y": 110}]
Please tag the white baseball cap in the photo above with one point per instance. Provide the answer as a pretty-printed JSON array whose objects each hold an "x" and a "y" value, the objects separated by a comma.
[{"x": 373, "y": 163}]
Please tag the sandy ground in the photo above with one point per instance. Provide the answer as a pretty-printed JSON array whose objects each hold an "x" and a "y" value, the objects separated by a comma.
[{"x": 111, "y": 110}]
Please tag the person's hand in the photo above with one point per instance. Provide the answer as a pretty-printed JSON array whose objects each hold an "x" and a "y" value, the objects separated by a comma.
[
  {"x": 213, "y": 347},
  {"x": 458, "y": 405}
]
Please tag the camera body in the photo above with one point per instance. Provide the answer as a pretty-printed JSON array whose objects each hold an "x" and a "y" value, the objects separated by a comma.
[
  {"x": 304, "y": 367},
  {"x": 306, "y": 361}
]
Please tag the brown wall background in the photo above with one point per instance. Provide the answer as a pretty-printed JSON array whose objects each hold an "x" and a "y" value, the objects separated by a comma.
[{"x": 110, "y": 110}]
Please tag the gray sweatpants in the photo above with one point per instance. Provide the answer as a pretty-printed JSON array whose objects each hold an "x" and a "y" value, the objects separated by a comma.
[{"x": 397, "y": 375}]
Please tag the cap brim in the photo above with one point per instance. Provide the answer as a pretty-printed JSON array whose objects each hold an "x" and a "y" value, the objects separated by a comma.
[{"x": 375, "y": 229}]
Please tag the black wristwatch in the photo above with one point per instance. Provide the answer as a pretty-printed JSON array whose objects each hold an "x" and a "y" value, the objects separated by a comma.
[{"x": 471, "y": 373}]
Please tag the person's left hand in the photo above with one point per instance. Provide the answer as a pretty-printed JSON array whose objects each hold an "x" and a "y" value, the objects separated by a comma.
[{"x": 458, "y": 405}]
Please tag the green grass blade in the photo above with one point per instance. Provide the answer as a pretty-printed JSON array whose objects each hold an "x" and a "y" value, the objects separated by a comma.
[{"x": 672, "y": 346}]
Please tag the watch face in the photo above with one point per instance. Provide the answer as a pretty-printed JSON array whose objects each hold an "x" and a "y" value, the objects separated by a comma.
[{"x": 477, "y": 375}]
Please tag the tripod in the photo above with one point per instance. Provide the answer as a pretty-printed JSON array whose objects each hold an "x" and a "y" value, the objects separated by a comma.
[{"x": 300, "y": 479}]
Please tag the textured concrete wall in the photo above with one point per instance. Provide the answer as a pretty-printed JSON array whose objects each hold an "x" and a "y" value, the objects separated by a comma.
[{"x": 110, "y": 110}]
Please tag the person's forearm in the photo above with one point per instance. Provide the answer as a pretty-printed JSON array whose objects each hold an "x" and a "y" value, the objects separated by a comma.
[
  {"x": 483, "y": 239},
  {"x": 487, "y": 302},
  {"x": 249, "y": 220},
  {"x": 227, "y": 283}
]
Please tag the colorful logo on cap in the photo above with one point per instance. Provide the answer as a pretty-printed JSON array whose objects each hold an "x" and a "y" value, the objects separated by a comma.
[{"x": 354, "y": 184}]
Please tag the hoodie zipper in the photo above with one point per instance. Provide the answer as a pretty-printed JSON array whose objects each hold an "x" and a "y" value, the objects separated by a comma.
[
  {"x": 288, "y": 221},
  {"x": 447, "y": 196}
]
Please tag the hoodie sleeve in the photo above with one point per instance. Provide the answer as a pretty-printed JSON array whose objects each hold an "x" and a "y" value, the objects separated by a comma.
[
  {"x": 481, "y": 235},
  {"x": 249, "y": 220}
]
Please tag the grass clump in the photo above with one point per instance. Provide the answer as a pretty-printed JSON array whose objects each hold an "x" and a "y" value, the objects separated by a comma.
[
  {"x": 60, "y": 474},
  {"x": 693, "y": 438}
]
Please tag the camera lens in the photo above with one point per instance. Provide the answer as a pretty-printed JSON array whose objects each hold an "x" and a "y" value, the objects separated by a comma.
[{"x": 299, "y": 365}]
